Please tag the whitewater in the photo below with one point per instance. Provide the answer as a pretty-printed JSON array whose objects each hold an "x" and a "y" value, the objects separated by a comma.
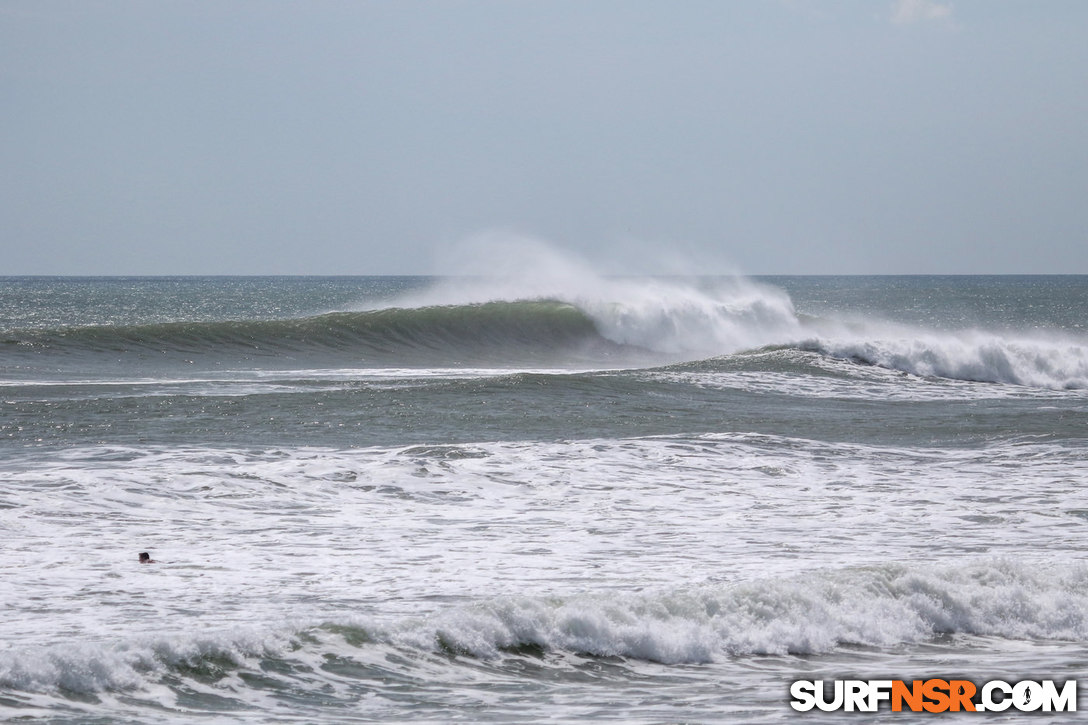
[{"x": 526, "y": 496}]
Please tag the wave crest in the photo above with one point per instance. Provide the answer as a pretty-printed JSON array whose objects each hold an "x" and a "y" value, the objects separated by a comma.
[
  {"x": 879, "y": 606},
  {"x": 681, "y": 317},
  {"x": 971, "y": 356}
]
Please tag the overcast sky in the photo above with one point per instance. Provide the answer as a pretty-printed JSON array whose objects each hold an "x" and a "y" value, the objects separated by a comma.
[{"x": 769, "y": 136}]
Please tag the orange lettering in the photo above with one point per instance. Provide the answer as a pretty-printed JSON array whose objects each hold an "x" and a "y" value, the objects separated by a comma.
[
  {"x": 935, "y": 691},
  {"x": 912, "y": 695},
  {"x": 961, "y": 692}
]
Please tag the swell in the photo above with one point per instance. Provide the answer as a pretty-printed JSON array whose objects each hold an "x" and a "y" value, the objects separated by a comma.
[
  {"x": 728, "y": 333},
  {"x": 455, "y": 333}
]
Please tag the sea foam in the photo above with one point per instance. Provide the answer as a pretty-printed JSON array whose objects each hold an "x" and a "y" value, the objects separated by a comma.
[
  {"x": 85, "y": 667},
  {"x": 810, "y": 614},
  {"x": 968, "y": 355}
]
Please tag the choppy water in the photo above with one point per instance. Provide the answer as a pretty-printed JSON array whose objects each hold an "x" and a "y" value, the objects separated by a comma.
[{"x": 616, "y": 499}]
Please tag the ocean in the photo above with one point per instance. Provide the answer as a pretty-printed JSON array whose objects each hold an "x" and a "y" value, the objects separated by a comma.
[{"x": 471, "y": 499}]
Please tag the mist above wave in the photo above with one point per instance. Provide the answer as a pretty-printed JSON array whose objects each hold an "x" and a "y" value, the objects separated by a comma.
[
  {"x": 701, "y": 317},
  {"x": 684, "y": 316}
]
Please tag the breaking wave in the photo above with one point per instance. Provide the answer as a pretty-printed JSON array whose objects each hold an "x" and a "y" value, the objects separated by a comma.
[
  {"x": 971, "y": 356},
  {"x": 571, "y": 320},
  {"x": 886, "y": 606},
  {"x": 619, "y": 322},
  {"x": 876, "y": 607}
]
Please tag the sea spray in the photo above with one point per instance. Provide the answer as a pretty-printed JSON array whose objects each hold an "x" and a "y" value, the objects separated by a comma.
[
  {"x": 452, "y": 530},
  {"x": 682, "y": 316}
]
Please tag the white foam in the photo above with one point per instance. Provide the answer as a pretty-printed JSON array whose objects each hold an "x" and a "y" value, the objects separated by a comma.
[
  {"x": 840, "y": 378},
  {"x": 809, "y": 614},
  {"x": 882, "y": 606},
  {"x": 682, "y": 316},
  {"x": 970, "y": 355},
  {"x": 691, "y": 318},
  {"x": 131, "y": 663},
  {"x": 666, "y": 549}
]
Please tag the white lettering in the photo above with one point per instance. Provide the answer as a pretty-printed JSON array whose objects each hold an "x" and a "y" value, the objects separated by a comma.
[
  {"x": 856, "y": 696},
  {"x": 804, "y": 697},
  {"x": 1064, "y": 701},
  {"x": 988, "y": 702},
  {"x": 1027, "y": 696},
  {"x": 835, "y": 703},
  {"x": 879, "y": 690}
]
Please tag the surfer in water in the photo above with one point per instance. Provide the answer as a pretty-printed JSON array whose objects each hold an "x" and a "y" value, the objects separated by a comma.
[{"x": 145, "y": 558}]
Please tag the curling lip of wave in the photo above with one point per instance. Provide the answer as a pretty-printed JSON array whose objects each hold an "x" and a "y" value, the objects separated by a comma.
[
  {"x": 970, "y": 356},
  {"x": 670, "y": 320},
  {"x": 659, "y": 326},
  {"x": 672, "y": 317}
]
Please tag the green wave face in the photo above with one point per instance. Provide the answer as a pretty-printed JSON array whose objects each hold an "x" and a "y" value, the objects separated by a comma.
[{"x": 523, "y": 332}]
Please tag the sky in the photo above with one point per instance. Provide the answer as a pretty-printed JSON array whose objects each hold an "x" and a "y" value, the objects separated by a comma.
[{"x": 356, "y": 137}]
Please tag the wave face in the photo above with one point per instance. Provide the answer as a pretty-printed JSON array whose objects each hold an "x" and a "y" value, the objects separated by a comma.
[
  {"x": 558, "y": 333},
  {"x": 574, "y": 321},
  {"x": 540, "y": 308},
  {"x": 593, "y": 322},
  {"x": 425, "y": 335}
]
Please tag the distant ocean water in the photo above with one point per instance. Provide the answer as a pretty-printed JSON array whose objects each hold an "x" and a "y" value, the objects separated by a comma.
[{"x": 663, "y": 499}]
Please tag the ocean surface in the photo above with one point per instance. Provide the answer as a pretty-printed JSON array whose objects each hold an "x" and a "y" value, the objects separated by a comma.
[{"x": 474, "y": 499}]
